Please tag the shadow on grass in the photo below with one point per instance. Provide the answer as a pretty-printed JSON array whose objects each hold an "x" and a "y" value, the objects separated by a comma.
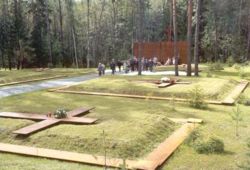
[{"x": 21, "y": 137}]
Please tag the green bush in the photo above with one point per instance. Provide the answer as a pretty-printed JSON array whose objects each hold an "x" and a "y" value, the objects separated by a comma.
[
  {"x": 209, "y": 74},
  {"x": 217, "y": 66},
  {"x": 193, "y": 137},
  {"x": 230, "y": 61},
  {"x": 247, "y": 102},
  {"x": 242, "y": 73},
  {"x": 196, "y": 98},
  {"x": 213, "y": 145},
  {"x": 60, "y": 114},
  {"x": 236, "y": 67},
  {"x": 243, "y": 100}
]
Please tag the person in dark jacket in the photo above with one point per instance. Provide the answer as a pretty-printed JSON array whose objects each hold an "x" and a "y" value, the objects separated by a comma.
[
  {"x": 112, "y": 66},
  {"x": 151, "y": 65},
  {"x": 132, "y": 64},
  {"x": 119, "y": 64}
]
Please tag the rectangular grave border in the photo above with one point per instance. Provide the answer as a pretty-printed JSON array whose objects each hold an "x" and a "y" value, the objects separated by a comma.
[
  {"x": 152, "y": 161},
  {"x": 229, "y": 100}
]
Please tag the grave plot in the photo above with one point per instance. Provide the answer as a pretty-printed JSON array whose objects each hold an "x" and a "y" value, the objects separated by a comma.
[
  {"x": 152, "y": 161},
  {"x": 215, "y": 90},
  {"x": 131, "y": 132}
]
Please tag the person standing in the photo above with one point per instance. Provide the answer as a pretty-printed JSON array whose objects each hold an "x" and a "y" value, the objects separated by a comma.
[
  {"x": 151, "y": 65},
  {"x": 103, "y": 69},
  {"x": 119, "y": 64},
  {"x": 126, "y": 67},
  {"x": 155, "y": 60},
  {"x": 146, "y": 64},
  {"x": 100, "y": 69},
  {"x": 132, "y": 64},
  {"x": 112, "y": 66}
]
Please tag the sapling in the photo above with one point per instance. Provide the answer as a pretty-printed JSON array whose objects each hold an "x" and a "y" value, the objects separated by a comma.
[
  {"x": 173, "y": 103},
  {"x": 237, "y": 117},
  {"x": 105, "y": 151}
]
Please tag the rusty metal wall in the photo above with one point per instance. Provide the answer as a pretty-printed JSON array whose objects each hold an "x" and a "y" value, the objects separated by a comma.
[{"x": 162, "y": 50}]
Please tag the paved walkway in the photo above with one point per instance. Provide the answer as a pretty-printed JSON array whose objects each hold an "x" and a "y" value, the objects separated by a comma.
[{"x": 25, "y": 88}]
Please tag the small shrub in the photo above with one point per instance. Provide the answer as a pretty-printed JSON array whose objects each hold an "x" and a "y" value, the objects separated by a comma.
[
  {"x": 193, "y": 137},
  {"x": 230, "y": 61},
  {"x": 236, "y": 116},
  {"x": 243, "y": 100},
  {"x": 242, "y": 73},
  {"x": 217, "y": 66},
  {"x": 246, "y": 63},
  {"x": 197, "y": 99},
  {"x": 173, "y": 103},
  {"x": 209, "y": 74},
  {"x": 247, "y": 102},
  {"x": 50, "y": 65},
  {"x": 213, "y": 145},
  {"x": 60, "y": 114},
  {"x": 237, "y": 67}
]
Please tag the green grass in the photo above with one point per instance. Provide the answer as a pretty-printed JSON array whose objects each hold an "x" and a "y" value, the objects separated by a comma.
[
  {"x": 213, "y": 88},
  {"x": 31, "y": 74},
  {"x": 15, "y": 162},
  {"x": 136, "y": 125},
  {"x": 132, "y": 128}
]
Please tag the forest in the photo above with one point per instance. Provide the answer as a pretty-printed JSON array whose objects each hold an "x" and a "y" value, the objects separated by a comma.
[{"x": 81, "y": 33}]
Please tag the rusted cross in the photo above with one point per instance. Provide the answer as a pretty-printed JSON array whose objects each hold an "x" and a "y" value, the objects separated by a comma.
[
  {"x": 164, "y": 84},
  {"x": 46, "y": 121}
]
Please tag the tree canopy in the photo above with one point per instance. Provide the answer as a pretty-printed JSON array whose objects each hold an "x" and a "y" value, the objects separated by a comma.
[{"x": 79, "y": 33}]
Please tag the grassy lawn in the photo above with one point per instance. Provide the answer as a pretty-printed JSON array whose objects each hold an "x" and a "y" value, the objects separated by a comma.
[
  {"x": 213, "y": 88},
  {"x": 132, "y": 127},
  {"x": 31, "y": 74},
  {"x": 15, "y": 162}
]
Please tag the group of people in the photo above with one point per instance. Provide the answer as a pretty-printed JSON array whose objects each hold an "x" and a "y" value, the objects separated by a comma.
[
  {"x": 170, "y": 61},
  {"x": 101, "y": 67},
  {"x": 129, "y": 65},
  {"x": 146, "y": 64}
]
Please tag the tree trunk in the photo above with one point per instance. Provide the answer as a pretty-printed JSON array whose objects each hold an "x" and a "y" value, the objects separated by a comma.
[
  {"x": 189, "y": 37},
  {"x": 88, "y": 36},
  {"x": 75, "y": 48},
  {"x": 3, "y": 62},
  {"x": 48, "y": 34},
  {"x": 216, "y": 44},
  {"x": 175, "y": 39},
  {"x": 140, "y": 33},
  {"x": 17, "y": 37},
  {"x": 9, "y": 62},
  {"x": 170, "y": 21},
  {"x": 197, "y": 33},
  {"x": 248, "y": 39},
  {"x": 21, "y": 54},
  {"x": 61, "y": 31}
]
